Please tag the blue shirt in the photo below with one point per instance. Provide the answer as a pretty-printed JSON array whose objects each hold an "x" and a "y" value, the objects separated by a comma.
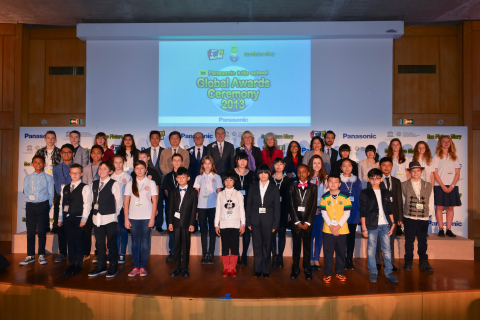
[
  {"x": 40, "y": 185},
  {"x": 61, "y": 175},
  {"x": 353, "y": 190}
]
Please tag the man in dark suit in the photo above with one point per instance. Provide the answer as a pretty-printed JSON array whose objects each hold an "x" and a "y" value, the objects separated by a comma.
[
  {"x": 262, "y": 217},
  {"x": 302, "y": 208},
  {"x": 329, "y": 140},
  {"x": 222, "y": 152},
  {"x": 197, "y": 153},
  {"x": 394, "y": 185},
  {"x": 154, "y": 151},
  {"x": 182, "y": 213}
]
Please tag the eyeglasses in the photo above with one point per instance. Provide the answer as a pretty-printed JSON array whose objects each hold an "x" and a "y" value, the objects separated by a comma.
[
  {"x": 294, "y": 146},
  {"x": 66, "y": 152}
]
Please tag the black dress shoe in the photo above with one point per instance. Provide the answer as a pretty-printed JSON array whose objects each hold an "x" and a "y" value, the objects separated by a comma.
[
  {"x": 379, "y": 266},
  {"x": 97, "y": 272},
  {"x": 308, "y": 274},
  {"x": 204, "y": 260},
  {"x": 280, "y": 261},
  {"x": 315, "y": 267},
  {"x": 76, "y": 269},
  {"x": 170, "y": 257},
  {"x": 69, "y": 269},
  {"x": 395, "y": 269},
  {"x": 266, "y": 275},
  {"x": 175, "y": 273},
  {"x": 294, "y": 274},
  {"x": 159, "y": 229},
  {"x": 274, "y": 262},
  {"x": 450, "y": 234},
  {"x": 185, "y": 273},
  {"x": 258, "y": 274},
  {"x": 441, "y": 233},
  {"x": 408, "y": 266},
  {"x": 210, "y": 259},
  {"x": 425, "y": 266},
  {"x": 239, "y": 261},
  {"x": 244, "y": 260}
]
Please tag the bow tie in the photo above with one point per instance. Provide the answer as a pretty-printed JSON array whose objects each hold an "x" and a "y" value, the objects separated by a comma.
[
  {"x": 183, "y": 189},
  {"x": 303, "y": 184}
]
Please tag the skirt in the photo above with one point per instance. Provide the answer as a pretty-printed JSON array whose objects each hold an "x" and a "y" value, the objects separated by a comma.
[{"x": 444, "y": 199}]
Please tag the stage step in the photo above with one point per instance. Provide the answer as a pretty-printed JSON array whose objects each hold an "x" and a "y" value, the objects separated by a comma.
[{"x": 438, "y": 248}]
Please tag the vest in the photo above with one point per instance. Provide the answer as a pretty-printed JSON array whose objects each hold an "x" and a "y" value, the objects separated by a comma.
[
  {"x": 411, "y": 200},
  {"x": 106, "y": 201},
  {"x": 74, "y": 201}
]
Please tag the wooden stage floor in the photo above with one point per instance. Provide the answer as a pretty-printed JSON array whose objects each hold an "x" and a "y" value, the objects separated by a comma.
[{"x": 206, "y": 281}]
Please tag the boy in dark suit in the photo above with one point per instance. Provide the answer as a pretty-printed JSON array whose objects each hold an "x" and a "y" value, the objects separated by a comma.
[
  {"x": 302, "y": 207},
  {"x": 222, "y": 152},
  {"x": 154, "y": 163},
  {"x": 393, "y": 185},
  {"x": 377, "y": 222},
  {"x": 182, "y": 213},
  {"x": 263, "y": 218}
]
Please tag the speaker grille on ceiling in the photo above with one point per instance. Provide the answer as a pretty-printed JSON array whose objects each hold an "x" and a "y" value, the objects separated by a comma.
[
  {"x": 417, "y": 69},
  {"x": 66, "y": 71}
]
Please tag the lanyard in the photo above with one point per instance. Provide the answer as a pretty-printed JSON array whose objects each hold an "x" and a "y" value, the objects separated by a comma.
[
  {"x": 231, "y": 195},
  {"x": 36, "y": 185},
  {"x": 302, "y": 198},
  {"x": 242, "y": 177},
  {"x": 94, "y": 176},
  {"x": 279, "y": 185},
  {"x": 207, "y": 182},
  {"x": 349, "y": 187},
  {"x": 333, "y": 206}
]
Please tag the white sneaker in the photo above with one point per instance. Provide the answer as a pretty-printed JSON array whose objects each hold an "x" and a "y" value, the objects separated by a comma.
[
  {"x": 42, "y": 260},
  {"x": 28, "y": 259}
]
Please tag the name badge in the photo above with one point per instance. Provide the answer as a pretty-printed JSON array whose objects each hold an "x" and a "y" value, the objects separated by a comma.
[
  {"x": 95, "y": 206},
  {"x": 280, "y": 199},
  {"x": 65, "y": 209},
  {"x": 262, "y": 210},
  {"x": 334, "y": 223},
  {"x": 49, "y": 171},
  {"x": 138, "y": 204},
  {"x": 450, "y": 172},
  {"x": 352, "y": 198},
  {"x": 63, "y": 185},
  {"x": 301, "y": 209},
  {"x": 243, "y": 192},
  {"x": 399, "y": 173},
  {"x": 205, "y": 197},
  {"x": 31, "y": 197},
  {"x": 177, "y": 215},
  {"x": 420, "y": 206},
  {"x": 391, "y": 199}
]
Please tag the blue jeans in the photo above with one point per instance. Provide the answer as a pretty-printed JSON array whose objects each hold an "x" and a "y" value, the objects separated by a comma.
[
  {"x": 122, "y": 234},
  {"x": 141, "y": 242},
  {"x": 317, "y": 234},
  {"x": 382, "y": 233}
]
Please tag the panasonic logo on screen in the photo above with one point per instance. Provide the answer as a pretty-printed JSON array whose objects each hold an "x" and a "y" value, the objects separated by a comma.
[
  {"x": 359, "y": 136},
  {"x": 34, "y": 136},
  {"x": 191, "y": 136}
]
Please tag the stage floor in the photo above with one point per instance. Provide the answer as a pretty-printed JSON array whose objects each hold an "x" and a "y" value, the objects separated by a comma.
[{"x": 206, "y": 281}]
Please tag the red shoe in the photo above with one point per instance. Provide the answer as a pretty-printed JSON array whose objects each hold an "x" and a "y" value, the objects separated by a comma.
[
  {"x": 233, "y": 265},
  {"x": 143, "y": 272},
  {"x": 226, "y": 266},
  {"x": 134, "y": 272}
]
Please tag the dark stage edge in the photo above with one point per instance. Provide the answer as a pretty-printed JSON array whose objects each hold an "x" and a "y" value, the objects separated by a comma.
[{"x": 206, "y": 281}]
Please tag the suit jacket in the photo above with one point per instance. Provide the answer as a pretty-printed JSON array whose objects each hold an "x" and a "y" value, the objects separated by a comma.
[
  {"x": 156, "y": 165},
  {"x": 271, "y": 201},
  {"x": 224, "y": 163},
  {"x": 194, "y": 166},
  {"x": 333, "y": 156},
  {"x": 369, "y": 207},
  {"x": 188, "y": 210},
  {"x": 256, "y": 153},
  {"x": 397, "y": 200},
  {"x": 309, "y": 202},
  {"x": 82, "y": 156},
  {"x": 166, "y": 159}
]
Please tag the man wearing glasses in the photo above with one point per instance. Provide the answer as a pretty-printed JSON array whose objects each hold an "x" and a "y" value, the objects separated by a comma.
[{"x": 61, "y": 177}]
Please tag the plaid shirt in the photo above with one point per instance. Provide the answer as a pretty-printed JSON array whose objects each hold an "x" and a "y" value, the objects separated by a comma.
[{"x": 56, "y": 157}]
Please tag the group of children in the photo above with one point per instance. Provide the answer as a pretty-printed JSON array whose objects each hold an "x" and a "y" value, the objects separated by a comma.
[{"x": 320, "y": 209}]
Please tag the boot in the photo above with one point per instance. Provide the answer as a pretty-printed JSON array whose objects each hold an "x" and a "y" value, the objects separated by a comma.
[
  {"x": 226, "y": 266},
  {"x": 233, "y": 264}
]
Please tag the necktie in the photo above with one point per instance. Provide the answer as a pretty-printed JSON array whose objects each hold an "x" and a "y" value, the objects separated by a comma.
[
  {"x": 174, "y": 151},
  {"x": 221, "y": 151},
  {"x": 328, "y": 151},
  {"x": 72, "y": 186},
  {"x": 388, "y": 182},
  {"x": 302, "y": 184},
  {"x": 183, "y": 189},
  {"x": 198, "y": 155},
  {"x": 155, "y": 157},
  {"x": 101, "y": 186}
]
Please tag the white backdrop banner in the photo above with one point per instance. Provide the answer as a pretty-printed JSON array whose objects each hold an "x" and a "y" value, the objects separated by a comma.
[{"x": 32, "y": 139}]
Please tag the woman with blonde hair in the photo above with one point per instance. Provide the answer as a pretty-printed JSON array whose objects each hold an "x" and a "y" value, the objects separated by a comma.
[
  {"x": 101, "y": 140},
  {"x": 270, "y": 150},
  {"x": 447, "y": 173},
  {"x": 247, "y": 145}
]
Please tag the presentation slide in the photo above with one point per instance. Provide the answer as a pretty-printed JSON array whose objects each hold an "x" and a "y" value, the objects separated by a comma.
[{"x": 234, "y": 83}]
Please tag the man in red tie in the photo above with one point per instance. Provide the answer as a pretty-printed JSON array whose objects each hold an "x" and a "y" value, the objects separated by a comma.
[
  {"x": 303, "y": 206},
  {"x": 222, "y": 152}
]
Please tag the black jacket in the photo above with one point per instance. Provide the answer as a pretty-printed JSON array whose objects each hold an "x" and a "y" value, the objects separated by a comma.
[
  {"x": 150, "y": 163},
  {"x": 227, "y": 161},
  {"x": 285, "y": 197},
  {"x": 397, "y": 199},
  {"x": 309, "y": 202},
  {"x": 336, "y": 167},
  {"x": 369, "y": 207},
  {"x": 188, "y": 210},
  {"x": 194, "y": 166},
  {"x": 290, "y": 165},
  {"x": 271, "y": 202},
  {"x": 256, "y": 153}
]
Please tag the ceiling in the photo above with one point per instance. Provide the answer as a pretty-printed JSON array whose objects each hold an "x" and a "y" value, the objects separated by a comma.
[{"x": 70, "y": 12}]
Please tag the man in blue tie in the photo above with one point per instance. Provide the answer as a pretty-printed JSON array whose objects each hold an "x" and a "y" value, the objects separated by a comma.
[{"x": 196, "y": 155}]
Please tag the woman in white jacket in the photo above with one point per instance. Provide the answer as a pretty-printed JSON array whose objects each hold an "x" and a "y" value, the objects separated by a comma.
[{"x": 230, "y": 223}]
